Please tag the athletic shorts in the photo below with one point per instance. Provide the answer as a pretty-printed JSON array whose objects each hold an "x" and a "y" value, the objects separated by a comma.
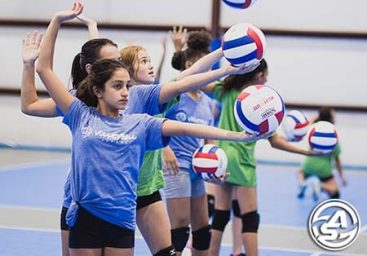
[
  {"x": 63, "y": 225},
  {"x": 322, "y": 179},
  {"x": 90, "y": 231},
  {"x": 143, "y": 201},
  {"x": 182, "y": 185}
]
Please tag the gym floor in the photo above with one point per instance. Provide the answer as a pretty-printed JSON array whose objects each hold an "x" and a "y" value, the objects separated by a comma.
[{"x": 32, "y": 182}]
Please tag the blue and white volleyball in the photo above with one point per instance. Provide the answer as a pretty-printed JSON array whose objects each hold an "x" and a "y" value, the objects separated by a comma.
[
  {"x": 259, "y": 109},
  {"x": 243, "y": 43},
  {"x": 210, "y": 162},
  {"x": 323, "y": 137},
  {"x": 295, "y": 125},
  {"x": 239, "y": 4}
]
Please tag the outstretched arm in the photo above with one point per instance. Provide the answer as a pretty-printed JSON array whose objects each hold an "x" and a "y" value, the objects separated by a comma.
[
  {"x": 172, "y": 89},
  {"x": 91, "y": 24},
  {"x": 278, "y": 142},
  {"x": 30, "y": 104},
  {"x": 54, "y": 85},
  {"x": 176, "y": 128},
  {"x": 160, "y": 65}
]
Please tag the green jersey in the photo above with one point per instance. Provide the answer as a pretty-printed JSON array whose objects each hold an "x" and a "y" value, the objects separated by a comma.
[
  {"x": 241, "y": 155},
  {"x": 321, "y": 166}
]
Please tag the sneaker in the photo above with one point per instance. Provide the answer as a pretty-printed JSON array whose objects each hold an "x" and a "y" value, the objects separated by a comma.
[
  {"x": 302, "y": 189},
  {"x": 186, "y": 252},
  {"x": 241, "y": 254},
  {"x": 316, "y": 187}
]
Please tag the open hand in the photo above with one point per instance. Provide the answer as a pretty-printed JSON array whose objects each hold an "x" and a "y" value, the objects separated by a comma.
[{"x": 31, "y": 47}]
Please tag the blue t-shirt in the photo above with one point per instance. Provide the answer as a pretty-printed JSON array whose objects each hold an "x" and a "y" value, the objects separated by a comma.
[
  {"x": 189, "y": 110},
  {"x": 143, "y": 99},
  {"x": 106, "y": 157}
]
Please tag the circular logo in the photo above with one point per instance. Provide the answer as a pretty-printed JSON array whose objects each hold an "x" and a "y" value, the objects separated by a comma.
[
  {"x": 181, "y": 116},
  {"x": 334, "y": 224}
]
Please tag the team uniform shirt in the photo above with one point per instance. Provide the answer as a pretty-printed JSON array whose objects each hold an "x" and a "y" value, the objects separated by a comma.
[
  {"x": 321, "y": 166},
  {"x": 106, "y": 157},
  {"x": 241, "y": 155},
  {"x": 189, "y": 110},
  {"x": 144, "y": 99}
]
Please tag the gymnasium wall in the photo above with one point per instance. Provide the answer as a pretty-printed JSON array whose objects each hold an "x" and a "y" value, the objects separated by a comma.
[{"x": 311, "y": 70}]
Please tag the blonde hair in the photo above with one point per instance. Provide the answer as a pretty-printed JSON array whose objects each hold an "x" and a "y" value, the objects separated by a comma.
[{"x": 129, "y": 56}]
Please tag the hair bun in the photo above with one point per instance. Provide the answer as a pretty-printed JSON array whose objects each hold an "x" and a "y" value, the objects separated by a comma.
[{"x": 198, "y": 40}]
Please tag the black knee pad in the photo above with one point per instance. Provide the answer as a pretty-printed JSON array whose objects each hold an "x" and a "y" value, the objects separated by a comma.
[
  {"x": 180, "y": 236},
  {"x": 169, "y": 251},
  {"x": 211, "y": 201},
  {"x": 236, "y": 209},
  {"x": 220, "y": 219},
  {"x": 336, "y": 195},
  {"x": 201, "y": 238},
  {"x": 250, "y": 222}
]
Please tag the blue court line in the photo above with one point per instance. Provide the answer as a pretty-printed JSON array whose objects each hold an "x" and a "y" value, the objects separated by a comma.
[{"x": 258, "y": 161}]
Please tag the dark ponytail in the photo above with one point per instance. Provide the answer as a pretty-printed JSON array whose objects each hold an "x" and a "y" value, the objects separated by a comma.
[
  {"x": 89, "y": 54},
  {"x": 240, "y": 81}
]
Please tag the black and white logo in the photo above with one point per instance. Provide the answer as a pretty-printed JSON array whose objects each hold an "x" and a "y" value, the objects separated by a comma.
[{"x": 334, "y": 224}]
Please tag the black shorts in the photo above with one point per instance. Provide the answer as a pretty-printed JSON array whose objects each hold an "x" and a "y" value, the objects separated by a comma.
[
  {"x": 322, "y": 179},
  {"x": 90, "y": 231},
  {"x": 63, "y": 225},
  {"x": 143, "y": 201}
]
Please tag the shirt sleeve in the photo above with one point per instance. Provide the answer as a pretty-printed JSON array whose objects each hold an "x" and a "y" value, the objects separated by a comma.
[
  {"x": 154, "y": 138},
  {"x": 145, "y": 99},
  {"x": 74, "y": 114}
]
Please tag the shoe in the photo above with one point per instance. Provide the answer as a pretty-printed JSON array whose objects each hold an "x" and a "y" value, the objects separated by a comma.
[
  {"x": 241, "y": 254},
  {"x": 302, "y": 190},
  {"x": 316, "y": 187}
]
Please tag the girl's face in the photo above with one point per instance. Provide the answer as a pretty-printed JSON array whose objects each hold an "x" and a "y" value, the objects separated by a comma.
[
  {"x": 114, "y": 97},
  {"x": 109, "y": 52},
  {"x": 143, "y": 69}
]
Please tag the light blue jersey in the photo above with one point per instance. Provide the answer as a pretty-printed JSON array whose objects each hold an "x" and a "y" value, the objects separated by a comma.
[
  {"x": 106, "y": 157},
  {"x": 143, "y": 99},
  {"x": 189, "y": 110}
]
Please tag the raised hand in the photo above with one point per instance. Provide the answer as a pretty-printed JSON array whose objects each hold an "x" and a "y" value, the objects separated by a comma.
[
  {"x": 69, "y": 14},
  {"x": 31, "y": 47},
  {"x": 178, "y": 37}
]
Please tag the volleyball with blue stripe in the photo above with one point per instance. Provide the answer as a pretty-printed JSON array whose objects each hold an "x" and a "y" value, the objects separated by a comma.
[
  {"x": 323, "y": 137},
  {"x": 240, "y": 4},
  {"x": 259, "y": 109},
  {"x": 243, "y": 43},
  {"x": 295, "y": 125},
  {"x": 210, "y": 162}
]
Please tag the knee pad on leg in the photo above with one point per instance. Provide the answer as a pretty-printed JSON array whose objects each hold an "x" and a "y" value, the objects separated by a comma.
[
  {"x": 236, "y": 209},
  {"x": 211, "y": 201},
  {"x": 180, "y": 236},
  {"x": 250, "y": 222},
  {"x": 169, "y": 251},
  {"x": 220, "y": 219},
  {"x": 201, "y": 238}
]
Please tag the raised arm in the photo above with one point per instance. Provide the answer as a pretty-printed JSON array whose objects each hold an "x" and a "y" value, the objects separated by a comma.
[
  {"x": 176, "y": 128},
  {"x": 91, "y": 24},
  {"x": 30, "y": 104},
  {"x": 54, "y": 85},
  {"x": 172, "y": 89},
  {"x": 203, "y": 64}
]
